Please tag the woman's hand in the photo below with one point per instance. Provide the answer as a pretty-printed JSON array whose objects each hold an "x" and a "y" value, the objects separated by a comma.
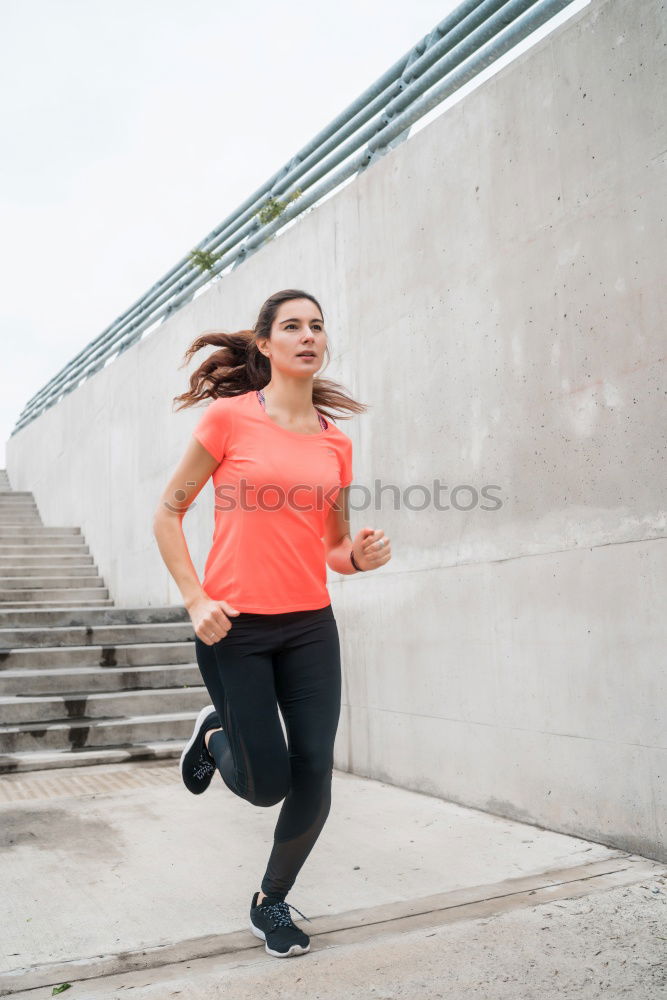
[
  {"x": 371, "y": 548},
  {"x": 209, "y": 618}
]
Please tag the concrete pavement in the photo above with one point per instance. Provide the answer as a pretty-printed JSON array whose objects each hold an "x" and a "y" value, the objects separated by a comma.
[{"x": 121, "y": 883}]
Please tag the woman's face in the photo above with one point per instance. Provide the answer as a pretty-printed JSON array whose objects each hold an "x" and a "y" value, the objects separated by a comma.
[{"x": 297, "y": 327}]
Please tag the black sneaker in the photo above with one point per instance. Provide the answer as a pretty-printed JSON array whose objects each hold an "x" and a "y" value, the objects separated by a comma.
[
  {"x": 271, "y": 921},
  {"x": 197, "y": 764}
]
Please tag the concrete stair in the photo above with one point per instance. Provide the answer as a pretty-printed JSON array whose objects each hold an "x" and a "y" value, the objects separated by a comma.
[{"x": 81, "y": 681}]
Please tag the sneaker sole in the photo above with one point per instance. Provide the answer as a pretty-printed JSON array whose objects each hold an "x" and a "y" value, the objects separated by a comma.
[
  {"x": 295, "y": 949},
  {"x": 195, "y": 733}
]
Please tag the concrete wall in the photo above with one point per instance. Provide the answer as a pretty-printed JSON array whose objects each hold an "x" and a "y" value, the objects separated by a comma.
[{"x": 494, "y": 289}]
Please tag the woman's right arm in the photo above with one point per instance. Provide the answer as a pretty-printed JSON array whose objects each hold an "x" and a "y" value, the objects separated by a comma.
[{"x": 209, "y": 617}]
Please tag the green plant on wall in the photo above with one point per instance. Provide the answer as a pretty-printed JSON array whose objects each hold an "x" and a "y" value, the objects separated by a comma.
[
  {"x": 275, "y": 207},
  {"x": 206, "y": 260}
]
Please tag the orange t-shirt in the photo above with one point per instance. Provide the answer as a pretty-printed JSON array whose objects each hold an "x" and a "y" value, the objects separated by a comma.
[{"x": 273, "y": 490}]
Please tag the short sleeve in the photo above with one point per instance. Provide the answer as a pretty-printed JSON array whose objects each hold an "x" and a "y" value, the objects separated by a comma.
[
  {"x": 346, "y": 471},
  {"x": 213, "y": 428}
]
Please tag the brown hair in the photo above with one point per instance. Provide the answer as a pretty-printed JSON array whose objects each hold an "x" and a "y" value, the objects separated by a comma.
[{"x": 239, "y": 366}]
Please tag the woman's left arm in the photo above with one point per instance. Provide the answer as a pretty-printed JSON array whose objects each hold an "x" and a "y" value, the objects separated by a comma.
[{"x": 371, "y": 548}]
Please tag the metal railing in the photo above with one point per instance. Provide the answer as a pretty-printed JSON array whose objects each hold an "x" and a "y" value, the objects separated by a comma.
[{"x": 465, "y": 43}]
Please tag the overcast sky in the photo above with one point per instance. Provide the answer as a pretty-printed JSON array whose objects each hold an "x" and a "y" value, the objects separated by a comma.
[{"x": 130, "y": 129}]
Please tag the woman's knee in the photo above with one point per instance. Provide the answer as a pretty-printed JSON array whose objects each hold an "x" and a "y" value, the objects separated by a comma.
[
  {"x": 271, "y": 786},
  {"x": 315, "y": 766},
  {"x": 270, "y": 797}
]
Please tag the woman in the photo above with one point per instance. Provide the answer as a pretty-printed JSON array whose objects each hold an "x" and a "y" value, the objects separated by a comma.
[{"x": 265, "y": 633}]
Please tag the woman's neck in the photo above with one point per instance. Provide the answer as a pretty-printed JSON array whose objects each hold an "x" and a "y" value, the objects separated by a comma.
[
  {"x": 293, "y": 401},
  {"x": 323, "y": 422}
]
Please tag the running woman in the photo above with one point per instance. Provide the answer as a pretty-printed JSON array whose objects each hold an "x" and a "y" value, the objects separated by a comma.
[{"x": 265, "y": 634}]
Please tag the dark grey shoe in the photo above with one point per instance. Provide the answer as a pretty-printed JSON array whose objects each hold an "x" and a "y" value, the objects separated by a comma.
[
  {"x": 197, "y": 765},
  {"x": 271, "y": 921}
]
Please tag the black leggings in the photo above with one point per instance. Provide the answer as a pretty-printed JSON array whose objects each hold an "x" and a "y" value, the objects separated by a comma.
[{"x": 291, "y": 660}]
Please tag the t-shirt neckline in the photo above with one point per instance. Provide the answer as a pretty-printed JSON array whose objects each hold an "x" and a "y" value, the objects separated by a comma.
[{"x": 286, "y": 430}]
